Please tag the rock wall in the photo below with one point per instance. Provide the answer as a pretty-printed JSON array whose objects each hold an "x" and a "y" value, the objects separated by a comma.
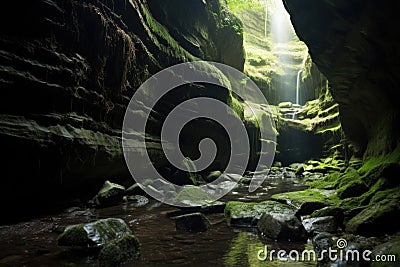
[
  {"x": 67, "y": 72},
  {"x": 354, "y": 45}
]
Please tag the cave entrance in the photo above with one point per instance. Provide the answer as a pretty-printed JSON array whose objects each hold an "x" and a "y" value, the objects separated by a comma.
[{"x": 280, "y": 64}]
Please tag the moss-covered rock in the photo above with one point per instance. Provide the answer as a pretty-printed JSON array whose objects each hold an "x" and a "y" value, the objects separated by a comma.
[
  {"x": 376, "y": 219},
  {"x": 110, "y": 194},
  {"x": 119, "y": 250},
  {"x": 327, "y": 224},
  {"x": 388, "y": 251},
  {"x": 297, "y": 198},
  {"x": 334, "y": 211},
  {"x": 96, "y": 233},
  {"x": 74, "y": 236},
  {"x": 246, "y": 214},
  {"x": 192, "y": 196}
]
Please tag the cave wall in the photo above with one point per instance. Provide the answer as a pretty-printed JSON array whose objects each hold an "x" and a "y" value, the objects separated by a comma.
[
  {"x": 67, "y": 72},
  {"x": 354, "y": 45}
]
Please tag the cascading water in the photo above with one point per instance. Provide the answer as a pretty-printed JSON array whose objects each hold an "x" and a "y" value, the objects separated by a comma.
[{"x": 298, "y": 87}]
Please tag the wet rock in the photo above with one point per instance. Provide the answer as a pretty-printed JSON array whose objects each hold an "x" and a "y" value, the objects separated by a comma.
[
  {"x": 376, "y": 219},
  {"x": 300, "y": 169},
  {"x": 275, "y": 169},
  {"x": 194, "y": 222},
  {"x": 307, "y": 208},
  {"x": 390, "y": 250},
  {"x": 353, "y": 189},
  {"x": 94, "y": 234},
  {"x": 336, "y": 212},
  {"x": 353, "y": 247},
  {"x": 289, "y": 174},
  {"x": 110, "y": 194},
  {"x": 349, "y": 214},
  {"x": 313, "y": 195},
  {"x": 138, "y": 200},
  {"x": 213, "y": 207},
  {"x": 281, "y": 226},
  {"x": 320, "y": 224},
  {"x": 247, "y": 214},
  {"x": 285, "y": 105},
  {"x": 119, "y": 251},
  {"x": 322, "y": 242},
  {"x": 192, "y": 196}
]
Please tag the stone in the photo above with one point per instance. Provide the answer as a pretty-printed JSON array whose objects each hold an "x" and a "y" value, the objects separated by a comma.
[
  {"x": 326, "y": 224},
  {"x": 119, "y": 250},
  {"x": 281, "y": 226},
  {"x": 213, "y": 207},
  {"x": 388, "y": 249},
  {"x": 138, "y": 200},
  {"x": 289, "y": 174},
  {"x": 309, "y": 207},
  {"x": 285, "y": 105},
  {"x": 247, "y": 214},
  {"x": 376, "y": 219},
  {"x": 322, "y": 242},
  {"x": 94, "y": 234},
  {"x": 194, "y": 222},
  {"x": 192, "y": 196},
  {"x": 334, "y": 211},
  {"x": 110, "y": 194}
]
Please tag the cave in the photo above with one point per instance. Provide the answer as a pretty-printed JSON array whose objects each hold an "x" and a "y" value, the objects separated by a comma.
[{"x": 199, "y": 133}]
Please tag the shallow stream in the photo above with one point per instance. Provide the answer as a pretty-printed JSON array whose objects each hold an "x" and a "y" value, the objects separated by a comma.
[{"x": 34, "y": 242}]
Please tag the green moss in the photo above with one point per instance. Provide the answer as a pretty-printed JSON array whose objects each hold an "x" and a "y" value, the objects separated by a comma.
[
  {"x": 193, "y": 196},
  {"x": 327, "y": 182},
  {"x": 237, "y": 107},
  {"x": 372, "y": 162},
  {"x": 247, "y": 213},
  {"x": 74, "y": 236},
  {"x": 389, "y": 193},
  {"x": 297, "y": 198},
  {"x": 238, "y": 5},
  {"x": 376, "y": 219},
  {"x": 119, "y": 250},
  {"x": 161, "y": 38}
]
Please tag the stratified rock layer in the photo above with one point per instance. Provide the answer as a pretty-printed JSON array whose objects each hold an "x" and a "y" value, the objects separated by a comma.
[{"x": 67, "y": 72}]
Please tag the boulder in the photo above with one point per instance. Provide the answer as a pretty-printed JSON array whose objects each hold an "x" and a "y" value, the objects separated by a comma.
[
  {"x": 110, "y": 194},
  {"x": 334, "y": 211},
  {"x": 391, "y": 248},
  {"x": 247, "y": 214},
  {"x": 326, "y": 224},
  {"x": 281, "y": 226},
  {"x": 309, "y": 207},
  {"x": 377, "y": 219},
  {"x": 119, "y": 250},
  {"x": 194, "y": 222},
  {"x": 94, "y": 234}
]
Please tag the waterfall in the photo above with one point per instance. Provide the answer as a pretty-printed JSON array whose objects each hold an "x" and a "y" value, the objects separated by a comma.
[{"x": 298, "y": 86}]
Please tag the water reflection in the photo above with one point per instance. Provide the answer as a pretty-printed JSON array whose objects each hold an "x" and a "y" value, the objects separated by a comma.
[{"x": 245, "y": 247}]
